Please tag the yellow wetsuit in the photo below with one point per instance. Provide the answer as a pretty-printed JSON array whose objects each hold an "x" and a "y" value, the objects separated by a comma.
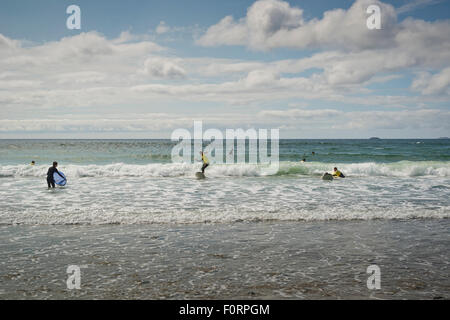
[
  {"x": 205, "y": 162},
  {"x": 337, "y": 173},
  {"x": 205, "y": 159}
]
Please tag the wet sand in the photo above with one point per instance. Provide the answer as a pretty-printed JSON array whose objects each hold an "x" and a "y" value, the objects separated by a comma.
[{"x": 262, "y": 260}]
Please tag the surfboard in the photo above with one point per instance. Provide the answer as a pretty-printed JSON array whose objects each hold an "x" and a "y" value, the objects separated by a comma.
[
  {"x": 200, "y": 175},
  {"x": 60, "y": 179},
  {"x": 326, "y": 176}
]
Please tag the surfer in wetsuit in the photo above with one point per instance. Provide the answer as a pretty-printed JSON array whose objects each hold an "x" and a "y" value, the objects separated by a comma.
[
  {"x": 337, "y": 173},
  {"x": 50, "y": 172},
  {"x": 205, "y": 161}
]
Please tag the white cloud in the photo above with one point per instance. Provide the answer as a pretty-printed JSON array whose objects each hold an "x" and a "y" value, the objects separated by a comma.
[
  {"x": 226, "y": 32},
  {"x": 297, "y": 114},
  {"x": 89, "y": 75},
  {"x": 160, "y": 67},
  {"x": 127, "y": 36},
  {"x": 412, "y": 5},
  {"x": 81, "y": 70},
  {"x": 7, "y": 45},
  {"x": 359, "y": 53},
  {"x": 81, "y": 77},
  {"x": 261, "y": 78},
  {"x": 433, "y": 84},
  {"x": 304, "y": 119},
  {"x": 274, "y": 23},
  {"x": 162, "y": 28},
  {"x": 264, "y": 19},
  {"x": 126, "y": 70},
  {"x": 360, "y": 120}
]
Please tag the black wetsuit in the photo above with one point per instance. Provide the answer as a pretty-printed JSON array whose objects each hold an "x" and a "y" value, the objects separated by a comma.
[
  {"x": 50, "y": 180},
  {"x": 204, "y": 167}
]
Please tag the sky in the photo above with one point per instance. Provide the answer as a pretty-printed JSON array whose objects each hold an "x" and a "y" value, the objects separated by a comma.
[{"x": 141, "y": 69}]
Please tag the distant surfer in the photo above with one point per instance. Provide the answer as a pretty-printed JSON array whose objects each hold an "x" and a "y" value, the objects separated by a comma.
[
  {"x": 337, "y": 173},
  {"x": 205, "y": 162},
  {"x": 50, "y": 172},
  {"x": 303, "y": 160},
  {"x": 33, "y": 163}
]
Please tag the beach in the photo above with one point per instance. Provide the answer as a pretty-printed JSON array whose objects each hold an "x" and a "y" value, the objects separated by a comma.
[
  {"x": 225, "y": 151},
  {"x": 142, "y": 227},
  {"x": 276, "y": 260}
]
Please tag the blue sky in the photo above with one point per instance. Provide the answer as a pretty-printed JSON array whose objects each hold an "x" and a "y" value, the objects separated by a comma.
[{"x": 140, "y": 69}]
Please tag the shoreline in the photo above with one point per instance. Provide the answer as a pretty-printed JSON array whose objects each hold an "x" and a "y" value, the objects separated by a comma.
[{"x": 242, "y": 260}]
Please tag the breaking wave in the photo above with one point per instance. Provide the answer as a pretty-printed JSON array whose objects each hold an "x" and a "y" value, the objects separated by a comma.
[{"x": 393, "y": 169}]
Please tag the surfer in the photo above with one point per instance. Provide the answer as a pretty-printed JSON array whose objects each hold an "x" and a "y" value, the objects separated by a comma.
[
  {"x": 205, "y": 161},
  {"x": 337, "y": 173},
  {"x": 50, "y": 172},
  {"x": 33, "y": 163}
]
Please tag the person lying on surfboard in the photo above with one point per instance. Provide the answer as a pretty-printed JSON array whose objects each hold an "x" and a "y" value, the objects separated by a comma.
[
  {"x": 205, "y": 161},
  {"x": 50, "y": 172},
  {"x": 337, "y": 173}
]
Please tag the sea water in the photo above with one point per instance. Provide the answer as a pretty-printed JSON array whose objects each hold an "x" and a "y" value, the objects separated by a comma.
[
  {"x": 126, "y": 195},
  {"x": 134, "y": 181}
]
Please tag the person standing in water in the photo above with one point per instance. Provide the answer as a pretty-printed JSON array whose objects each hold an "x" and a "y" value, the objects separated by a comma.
[
  {"x": 50, "y": 172},
  {"x": 205, "y": 161}
]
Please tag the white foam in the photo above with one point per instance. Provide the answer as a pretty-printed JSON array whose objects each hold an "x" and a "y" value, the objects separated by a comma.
[
  {"x": 135, "y": 199},
  {"x": 394, "y": 169}
]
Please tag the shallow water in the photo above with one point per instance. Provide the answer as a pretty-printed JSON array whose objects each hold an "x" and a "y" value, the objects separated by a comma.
[
  {"x": 295, "y": 260},
  {"x": 127, "y": 200}
]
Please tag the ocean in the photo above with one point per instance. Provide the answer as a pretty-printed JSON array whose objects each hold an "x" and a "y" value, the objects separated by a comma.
[{"x": 144, "y": 227}]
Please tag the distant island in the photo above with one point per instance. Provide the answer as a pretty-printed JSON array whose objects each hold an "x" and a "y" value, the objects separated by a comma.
[
  {"x": 443, "y": 138},
  {"x": 374, "y": 138}
]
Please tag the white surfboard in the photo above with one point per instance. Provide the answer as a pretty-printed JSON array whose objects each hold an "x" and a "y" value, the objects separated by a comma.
[{"x": 60, "y": 179}]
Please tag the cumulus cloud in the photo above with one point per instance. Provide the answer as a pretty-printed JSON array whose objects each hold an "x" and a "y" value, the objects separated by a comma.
[
  {"x": 261, "y": 78},
  {"x": 226, "y": 32},
  {"x": 274, "y": 23},
  {"x": 62, "y": 73},
  {"x": 438, "y": 83},
  {"x": 271, "y": 24},
  {"x": 91, "y": 75},
  {"x": 264, "y": 18},
  {"x": 358, "y": 53},
  {"x": 8, "y": 45},
  {"x": 252, "y": 90},
  {"x": 160, "y": 67},
  {"x": 131, "y": 70}
]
